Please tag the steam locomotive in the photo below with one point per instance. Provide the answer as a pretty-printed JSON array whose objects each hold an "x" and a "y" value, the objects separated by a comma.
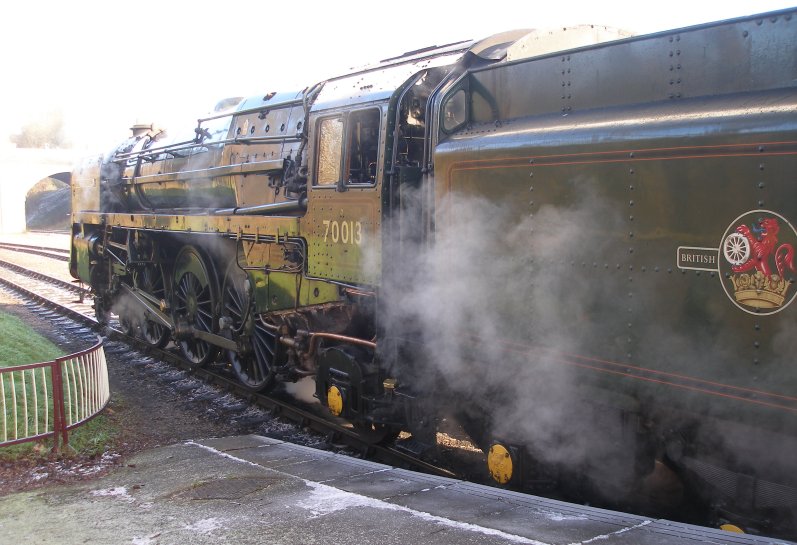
[{"x": 580, "y": 246}]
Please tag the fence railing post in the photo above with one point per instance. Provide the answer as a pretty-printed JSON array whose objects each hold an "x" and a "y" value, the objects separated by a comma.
[{"x": 59, "y": 409}]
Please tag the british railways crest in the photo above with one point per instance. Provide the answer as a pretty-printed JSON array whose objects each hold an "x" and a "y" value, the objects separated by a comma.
[{"x": 756, "y": 262}]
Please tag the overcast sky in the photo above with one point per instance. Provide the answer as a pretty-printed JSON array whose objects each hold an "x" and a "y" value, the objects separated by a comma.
[{"x": 108, "y": 64}]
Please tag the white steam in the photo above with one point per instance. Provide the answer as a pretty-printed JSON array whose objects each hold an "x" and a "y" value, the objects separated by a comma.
[
  {"x": 495, "y": 296},
  {"x": 532, "y": 320}
]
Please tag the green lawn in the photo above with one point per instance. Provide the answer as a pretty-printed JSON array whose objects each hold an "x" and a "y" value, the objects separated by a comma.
[{"x": 19, "y": 344}]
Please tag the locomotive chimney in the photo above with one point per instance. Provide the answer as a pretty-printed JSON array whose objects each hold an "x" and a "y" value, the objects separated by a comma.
[{"x": 140, "y": 129}]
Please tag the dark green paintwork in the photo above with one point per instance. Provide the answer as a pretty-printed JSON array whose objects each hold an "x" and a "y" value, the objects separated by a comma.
[{"x": 636, "y": 149}]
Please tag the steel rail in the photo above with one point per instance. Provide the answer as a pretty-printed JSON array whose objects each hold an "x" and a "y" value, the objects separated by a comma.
[
  {"x": 75, "y": 288},
  {"x": 35, "y": 247},
  {"x": 53, "y": 253}
]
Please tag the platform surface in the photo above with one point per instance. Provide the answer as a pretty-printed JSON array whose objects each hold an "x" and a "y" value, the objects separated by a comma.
[{"x": 256, "y": 490}]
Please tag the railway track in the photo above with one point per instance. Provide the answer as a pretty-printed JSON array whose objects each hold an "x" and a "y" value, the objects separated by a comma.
[
  {"x": 69, "y": 306},
  {"x": 59, "y": 254}
]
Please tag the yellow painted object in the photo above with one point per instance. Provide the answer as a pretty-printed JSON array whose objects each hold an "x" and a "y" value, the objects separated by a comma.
[
  {"x": 335, "y": 400},
  {"x": 731, "y": 528},
  {"x": 499, "y": 462}
]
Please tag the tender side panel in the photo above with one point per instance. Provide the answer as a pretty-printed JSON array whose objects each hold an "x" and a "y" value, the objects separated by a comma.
[
  {"x": 644, "y": 230},
  {"x": 746, "y": 56},
  {"x": 623, "y": 239}
]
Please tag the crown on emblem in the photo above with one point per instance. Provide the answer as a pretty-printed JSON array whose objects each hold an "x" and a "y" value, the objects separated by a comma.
[{"x": 760, "y": 291}]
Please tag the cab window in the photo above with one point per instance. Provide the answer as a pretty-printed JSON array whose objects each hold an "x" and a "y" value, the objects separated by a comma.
[
  {"x": 362, "y": 145},
  {"x": 348, "y": 157},
  {"x": 455, "y": 111},
  {"x": 330, "y": 147}
]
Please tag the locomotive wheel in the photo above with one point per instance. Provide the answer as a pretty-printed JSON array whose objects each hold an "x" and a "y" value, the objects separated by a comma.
[
  {"x": 195, "y": 297},
  {"x": 152, "y": 280},
  {"x": 254, "y": 367}
]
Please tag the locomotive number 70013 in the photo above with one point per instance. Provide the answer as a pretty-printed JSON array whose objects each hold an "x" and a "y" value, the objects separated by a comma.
[{"x": 347, "y": 232}]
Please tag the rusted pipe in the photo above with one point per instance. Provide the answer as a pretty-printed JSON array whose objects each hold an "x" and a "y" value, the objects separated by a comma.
[{"x": 316, "y": 338}]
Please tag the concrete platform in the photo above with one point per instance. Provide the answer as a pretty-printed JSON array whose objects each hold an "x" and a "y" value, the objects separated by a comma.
[{"x": 256, "y": 490}]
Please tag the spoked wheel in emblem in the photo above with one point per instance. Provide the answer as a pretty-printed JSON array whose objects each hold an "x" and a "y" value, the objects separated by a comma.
[
  {"x": 195, "y": 299},
  {"x": 254, "y": 363},
  {"x": 151, "y": 279}
]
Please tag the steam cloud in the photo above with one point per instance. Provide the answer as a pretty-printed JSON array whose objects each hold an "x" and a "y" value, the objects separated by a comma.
[
  {"x": 491, "y": 298},
  {"x": 504, "y": 293}
]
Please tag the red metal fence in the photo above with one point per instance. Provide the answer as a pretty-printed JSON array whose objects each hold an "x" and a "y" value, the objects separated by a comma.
[{"x": 48, "y": 399}]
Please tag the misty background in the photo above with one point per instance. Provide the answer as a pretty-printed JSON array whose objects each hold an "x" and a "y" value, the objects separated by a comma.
[{"x": 96, "y": 68}]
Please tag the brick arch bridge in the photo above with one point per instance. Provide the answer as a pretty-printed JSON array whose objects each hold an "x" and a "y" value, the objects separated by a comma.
[{"x": 20, "y": 170}]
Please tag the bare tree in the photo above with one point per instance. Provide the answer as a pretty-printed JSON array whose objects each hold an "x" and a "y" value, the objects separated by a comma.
[{"x": 45, "y": 132}]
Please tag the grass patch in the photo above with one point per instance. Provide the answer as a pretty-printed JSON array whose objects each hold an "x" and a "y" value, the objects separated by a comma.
[
  {"x": 22, "y": 345},
  {"x": 25, "y": 451},
  {"x": 87, "y": 441},
  {"x": 94, "y": 437}
]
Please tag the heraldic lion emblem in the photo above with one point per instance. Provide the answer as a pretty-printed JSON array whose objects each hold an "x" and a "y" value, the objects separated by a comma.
[{"x": 760, "y": 267}]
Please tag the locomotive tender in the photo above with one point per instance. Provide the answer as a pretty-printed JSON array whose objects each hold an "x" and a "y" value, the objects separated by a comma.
[{"x": 582, "y": 250}]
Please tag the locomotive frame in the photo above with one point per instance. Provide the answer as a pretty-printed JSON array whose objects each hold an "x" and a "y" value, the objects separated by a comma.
[{"x": 288, "y": 232}]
